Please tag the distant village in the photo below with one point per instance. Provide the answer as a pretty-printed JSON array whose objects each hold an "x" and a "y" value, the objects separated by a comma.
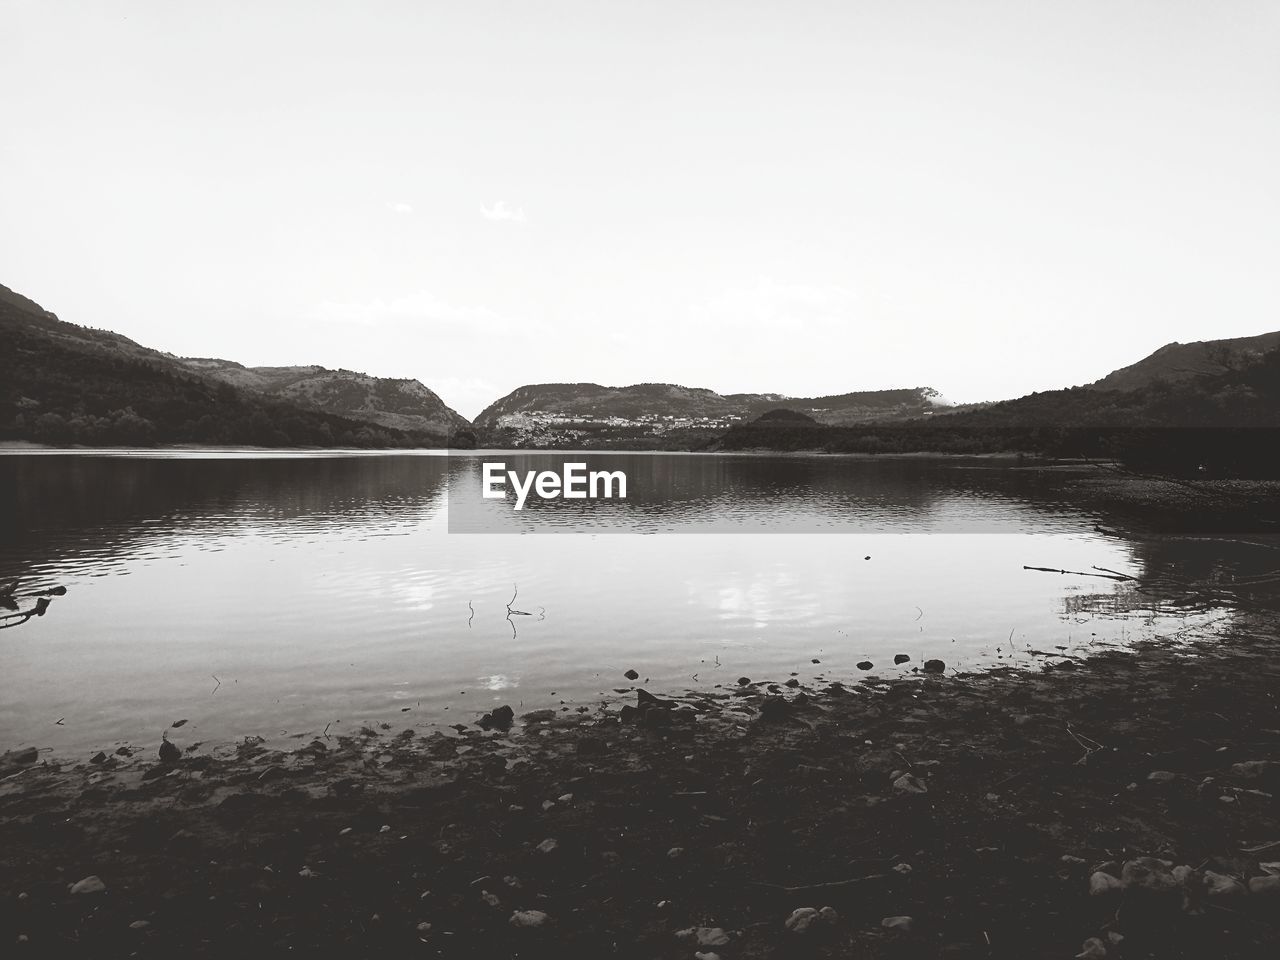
[{"x": 543, "y": 426}]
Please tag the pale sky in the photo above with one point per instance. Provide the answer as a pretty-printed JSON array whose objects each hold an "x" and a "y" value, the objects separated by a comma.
[{"x": 986, "y": 197}]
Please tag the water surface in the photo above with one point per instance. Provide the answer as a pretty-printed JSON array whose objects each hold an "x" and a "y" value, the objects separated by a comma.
[{"x": 276, "y": 594}]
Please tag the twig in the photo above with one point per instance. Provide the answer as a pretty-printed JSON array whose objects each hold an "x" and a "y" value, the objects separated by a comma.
[
  {"x": 1078, "y": 573},
  {"x": 833, "y": 885}
]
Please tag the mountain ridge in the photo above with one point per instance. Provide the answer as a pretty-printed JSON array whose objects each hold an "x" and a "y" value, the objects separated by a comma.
[
  {"x": 399, "y": 403},
  {"x": 1176, "y": 361},
  {"x": 62, "y": 383},
  {"x": 676, "y": 400}
]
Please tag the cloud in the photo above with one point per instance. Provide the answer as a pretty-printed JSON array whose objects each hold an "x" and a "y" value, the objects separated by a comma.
[
  {"x": 500, "y": 211},
  {"x": 399, "y": 207}
]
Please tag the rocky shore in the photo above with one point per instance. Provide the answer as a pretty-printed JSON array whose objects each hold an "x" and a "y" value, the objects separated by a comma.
[{"x": 1121, "y": 806}]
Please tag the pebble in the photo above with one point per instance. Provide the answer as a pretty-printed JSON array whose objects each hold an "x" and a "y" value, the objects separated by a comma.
[
  {"x": 513, "y": 882},
  {"x": 424, "y": 928},
  {"x": 385, "y": 828},
  {"x": 909, "y": 783},
  {"x": 898, "y": 924},
  {"x": 139, "y": 924},
  {"x": 902, "y": 868},
  {"x": 1094, "y": 949},
  {"x": 828, "y": 914},
  {"x": 24, "y": 756},
  {"x": 1101, "y": 884},
  {"x": 1221, "y": 885},
  {"x": 344, "y": 831},
  {"x": 675, "y": 853},
  {"x": 1265, "y": 886},
  {"x": 548, "y": 846},
  {"x": 705, "y": 955},
  {"x": 1161, "y": 776},
  {"x": 1148, "y": 873},
  {"x": 490, "y": 899},
  {"x": 528, "y": 918},
  {"x": 710, "y": 936},
  {"x": 91, "y": 884},
  {"x": 801, "y": 919},
  {"x": 306, "y": 873},
  {"x": 1250, "y": 769}
]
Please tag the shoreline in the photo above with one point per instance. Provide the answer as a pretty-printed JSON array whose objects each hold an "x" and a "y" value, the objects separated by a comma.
[{"x": 978, "y": 805}]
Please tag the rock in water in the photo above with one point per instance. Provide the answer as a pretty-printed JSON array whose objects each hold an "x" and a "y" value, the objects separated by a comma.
[
  {"x": 499, "y": 719},
  {"x": 934, "y": 666},
  {"x": 901, "y": 658},
  {"x": 631, "y": 675},
  {"x": 19, "y": 758},
  {"x": 91, "y": 884},
  {"x": 169, "y": 753}
]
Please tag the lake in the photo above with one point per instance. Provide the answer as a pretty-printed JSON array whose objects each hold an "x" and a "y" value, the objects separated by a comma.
[{"x": 279, "y": 594}]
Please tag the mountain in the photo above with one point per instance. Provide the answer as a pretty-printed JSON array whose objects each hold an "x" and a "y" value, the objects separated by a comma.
[
  {"x": 649, "y": 401},
  {"x": 1185, "y": 361},
  {"x": 63, "y": 383},
  {"x": 398, "y": 404},
  {"x": 1222, "y": 422}
]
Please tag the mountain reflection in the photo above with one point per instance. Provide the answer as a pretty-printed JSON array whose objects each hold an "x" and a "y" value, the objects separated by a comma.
[{"x": 72, "y": 506}]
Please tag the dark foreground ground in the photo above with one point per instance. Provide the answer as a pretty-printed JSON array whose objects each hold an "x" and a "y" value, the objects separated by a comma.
[{"x": 979, "y": 807}]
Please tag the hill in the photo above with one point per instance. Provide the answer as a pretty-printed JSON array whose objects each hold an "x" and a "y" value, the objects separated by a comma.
[
  {"x": 1225, "y": 423},
  {"x": 394, "y": 403},
  {"x": 1176, "y": 362},
  {"x": 63, "y": 383},
  {"x": 654, "y": 400}
]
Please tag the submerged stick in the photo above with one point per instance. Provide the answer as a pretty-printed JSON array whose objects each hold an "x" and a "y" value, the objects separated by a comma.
[{"x": 1079, "y": 573}]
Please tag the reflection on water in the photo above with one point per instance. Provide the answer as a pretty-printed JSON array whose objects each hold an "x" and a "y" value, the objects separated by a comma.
[{"x": 275, "y": 595}]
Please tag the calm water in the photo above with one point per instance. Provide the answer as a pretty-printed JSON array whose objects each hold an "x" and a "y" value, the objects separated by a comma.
[{"x": 270, "y": 595}]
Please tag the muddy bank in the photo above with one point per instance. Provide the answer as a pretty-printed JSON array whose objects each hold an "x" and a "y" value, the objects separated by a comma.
[{"x": 936, "y": 816}]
